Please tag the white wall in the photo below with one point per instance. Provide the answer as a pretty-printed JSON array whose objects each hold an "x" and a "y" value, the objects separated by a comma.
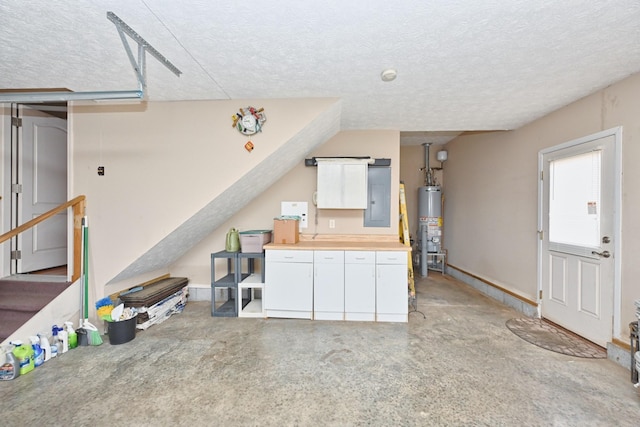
[
  {"x": 5, "y": 186},
  {"x": 299, "y": 185},
  {"x": 491, "y": 193},
  {"x": 163, "y": 162}
]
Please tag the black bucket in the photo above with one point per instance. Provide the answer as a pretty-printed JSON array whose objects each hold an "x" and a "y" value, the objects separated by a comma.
[
  {"x": 122, "y": 331},
  {"x": 82, "y": 337}
]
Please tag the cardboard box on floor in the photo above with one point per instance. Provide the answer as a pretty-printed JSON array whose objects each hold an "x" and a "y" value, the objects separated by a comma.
[{"x": 285, "y": 231}]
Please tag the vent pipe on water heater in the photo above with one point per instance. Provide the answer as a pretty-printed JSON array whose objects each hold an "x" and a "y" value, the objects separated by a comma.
[
  {"x": 428, "y": 173},
  {"x": 429, "y": 215}
]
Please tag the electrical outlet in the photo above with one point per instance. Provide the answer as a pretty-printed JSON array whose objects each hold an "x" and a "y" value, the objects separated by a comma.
[{"x": 332, "y": 223}]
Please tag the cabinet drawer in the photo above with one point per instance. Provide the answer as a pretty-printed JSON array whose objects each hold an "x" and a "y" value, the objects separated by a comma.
[
  {"x": 391, "y": 257},
  {"x": 328, "y": 257},
  {"x": 359, "y": 257},
  {"x": 289, "y": 256}
]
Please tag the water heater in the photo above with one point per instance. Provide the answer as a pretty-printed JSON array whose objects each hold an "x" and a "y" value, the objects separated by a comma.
[{"x": 430, "y": 217}]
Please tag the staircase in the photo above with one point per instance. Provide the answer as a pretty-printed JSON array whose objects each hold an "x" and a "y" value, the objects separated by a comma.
[{"x": 21, "y": 297}]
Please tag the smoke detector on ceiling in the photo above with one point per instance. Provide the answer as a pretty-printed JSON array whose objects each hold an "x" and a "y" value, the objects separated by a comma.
[{"x": 388, "y": 75}]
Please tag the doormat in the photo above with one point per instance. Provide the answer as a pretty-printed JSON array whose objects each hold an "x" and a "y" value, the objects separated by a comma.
[{"x": 551, "y": 337}]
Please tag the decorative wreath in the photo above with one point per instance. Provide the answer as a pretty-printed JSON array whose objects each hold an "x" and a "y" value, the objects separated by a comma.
[{"x": 249, "y": 120}]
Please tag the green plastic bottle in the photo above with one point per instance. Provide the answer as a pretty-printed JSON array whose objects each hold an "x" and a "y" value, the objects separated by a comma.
[
  {"x": 24, "y": 355},
  {"x": 72, "y": 336}
]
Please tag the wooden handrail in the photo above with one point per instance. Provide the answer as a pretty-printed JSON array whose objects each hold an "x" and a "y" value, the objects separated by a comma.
[{"x": 78, "y": 204}]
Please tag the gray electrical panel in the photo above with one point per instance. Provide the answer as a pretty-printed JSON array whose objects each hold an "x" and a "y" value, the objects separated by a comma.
[{"x": 378, "y": 212}]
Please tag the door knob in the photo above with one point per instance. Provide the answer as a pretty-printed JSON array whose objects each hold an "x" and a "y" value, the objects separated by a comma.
[
  {"x": 606, "y": 239},
  {"x": 603, "y": 254}
]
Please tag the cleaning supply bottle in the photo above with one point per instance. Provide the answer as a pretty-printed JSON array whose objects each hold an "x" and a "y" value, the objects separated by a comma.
[
  {"x": 24, "y": 356},
  {"x": 56, "y": 345},
  {"x": 10, "y": 367},
  {"x": 64, "y": 339},
  {"x": 45, "y": 346},
  {"x": 71, "y": 333},
  {"x": 38, "y": 354}
]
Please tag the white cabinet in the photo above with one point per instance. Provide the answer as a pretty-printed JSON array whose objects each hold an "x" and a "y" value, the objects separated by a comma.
[
  {"x": 360, "y": 285},
  {"x": 289, "y": 284},
  {"x": 328, "y": 285},
  {"x": 336, "y": 285},
  {"x": 392, "y": 295}
]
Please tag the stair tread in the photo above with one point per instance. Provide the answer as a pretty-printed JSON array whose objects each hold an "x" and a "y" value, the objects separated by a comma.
[
  {"x": 21, "y": 299},
  {"x": 11, "y": 321},
  {"x": 24, "y": 302},
  {"x": 29, "y": 286}
]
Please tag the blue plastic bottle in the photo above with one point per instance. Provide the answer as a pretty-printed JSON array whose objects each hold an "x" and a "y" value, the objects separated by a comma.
[
  {"x": 38, "y": 353},
  {"x": 56, "y": 344}
]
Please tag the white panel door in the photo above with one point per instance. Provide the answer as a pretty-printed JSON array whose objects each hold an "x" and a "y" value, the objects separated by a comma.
[
  {"x": 577, "y": 259},
  {"x": 42, "y": 173}
]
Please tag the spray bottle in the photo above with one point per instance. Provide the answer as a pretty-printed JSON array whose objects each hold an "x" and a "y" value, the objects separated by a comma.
[
  {"x": 64, "y": 339},
  {"x": 10, "y": 367},
  {"x": 24, "y": 356},
  {"x": 73, "y": 337},
  {"x": 45, "y": 346},
  {"x": 56, "y": 345},
  {"x": 38, "y": 354}
]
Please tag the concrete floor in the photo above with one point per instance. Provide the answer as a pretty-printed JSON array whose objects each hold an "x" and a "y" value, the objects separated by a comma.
[{"x": 459, "y": 366}]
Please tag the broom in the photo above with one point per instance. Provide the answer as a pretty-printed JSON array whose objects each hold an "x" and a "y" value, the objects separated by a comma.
[
  {"x": 84, "y": 298},
  {"x": 93, "y": 335}
]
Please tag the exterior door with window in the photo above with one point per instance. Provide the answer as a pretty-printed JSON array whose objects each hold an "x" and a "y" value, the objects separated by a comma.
[{"x": 577, "y": 239}]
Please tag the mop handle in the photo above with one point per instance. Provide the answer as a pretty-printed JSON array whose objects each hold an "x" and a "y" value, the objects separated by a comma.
[{"x": 85, "y": 264}]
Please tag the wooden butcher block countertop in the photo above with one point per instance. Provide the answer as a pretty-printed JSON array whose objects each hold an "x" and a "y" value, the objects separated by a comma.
[{"x": 330, "y": 242}]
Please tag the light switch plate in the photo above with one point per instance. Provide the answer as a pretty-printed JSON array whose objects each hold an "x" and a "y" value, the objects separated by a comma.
[{"x": 296, "y": 208}]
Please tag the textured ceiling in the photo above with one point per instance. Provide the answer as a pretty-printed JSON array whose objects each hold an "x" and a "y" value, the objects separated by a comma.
[{"x": 462, "y": 64}]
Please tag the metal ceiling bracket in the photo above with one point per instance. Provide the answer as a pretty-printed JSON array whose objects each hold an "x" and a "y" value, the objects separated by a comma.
[{"x": 139, "y": 66}]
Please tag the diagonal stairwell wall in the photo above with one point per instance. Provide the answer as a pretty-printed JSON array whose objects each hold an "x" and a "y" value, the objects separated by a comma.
[
  {"x": 174, "y": 172},
  {"x": 238, "y": 195}
]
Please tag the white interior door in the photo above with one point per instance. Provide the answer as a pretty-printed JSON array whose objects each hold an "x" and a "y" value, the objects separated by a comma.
[
  {"x": 42, "y": 186},
  {"x": 577, "y": 241}
]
